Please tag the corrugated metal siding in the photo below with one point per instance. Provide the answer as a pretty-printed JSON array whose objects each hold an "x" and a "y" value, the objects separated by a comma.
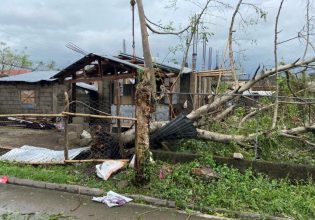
[{"x": 30, "y": 154}]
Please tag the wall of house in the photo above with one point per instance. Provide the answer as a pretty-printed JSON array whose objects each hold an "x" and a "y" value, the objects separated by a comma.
[
  {"x": 161, "y": 113},
  {"x": 49, "y": 98}
]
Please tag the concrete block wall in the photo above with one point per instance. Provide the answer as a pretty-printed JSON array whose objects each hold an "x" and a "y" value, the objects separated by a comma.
[{"x": 46, "y": 95}]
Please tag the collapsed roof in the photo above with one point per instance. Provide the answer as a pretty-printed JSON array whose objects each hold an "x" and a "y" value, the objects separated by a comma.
[{"x": 93, "y": 67}]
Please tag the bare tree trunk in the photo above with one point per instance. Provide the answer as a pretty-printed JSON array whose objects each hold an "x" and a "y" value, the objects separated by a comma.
[
  {"x": 194, "y": 28},
  {"x": 275, "y": 115},
  {"x": 146, "y": 91},
  {"x": 230, "y": 42},
  {"x": 148, "y": 75},
  {"x": 307, "y": 38}
]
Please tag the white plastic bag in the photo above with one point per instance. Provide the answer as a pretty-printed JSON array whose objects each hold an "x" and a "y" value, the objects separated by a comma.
[
  {"x": 106, "y": 169},
  {"x": 112, "y": 199}
]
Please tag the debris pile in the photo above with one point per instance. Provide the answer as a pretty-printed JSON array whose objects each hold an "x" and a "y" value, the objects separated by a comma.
[
  {"x": 43, "y": 124},
  {"x": 104, "y": 145}
]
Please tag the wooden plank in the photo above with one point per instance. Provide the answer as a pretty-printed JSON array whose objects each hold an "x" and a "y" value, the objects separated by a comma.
[
  {"x": 213, "y": 74},
  {"x": 98, "y": 116},
  {"x": 105, "y": 77},
  {"x": 66, "y": 120}
]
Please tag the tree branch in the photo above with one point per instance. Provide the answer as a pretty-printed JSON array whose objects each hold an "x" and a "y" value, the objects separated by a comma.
[
  {"x": 253, "y": 113},
  {"x": 159, "y": 26},
  {"x": 196, "y": 114}
]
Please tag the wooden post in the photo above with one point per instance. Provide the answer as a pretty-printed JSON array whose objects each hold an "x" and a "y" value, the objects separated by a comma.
[
  {"x": 73, "y": 95},
  {"x": 195, "y": 90},
  {"x": 66, "y": 120},
  {"x": 118, "y": 99}
]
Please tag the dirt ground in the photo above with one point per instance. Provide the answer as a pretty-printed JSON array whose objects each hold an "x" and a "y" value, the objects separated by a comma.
[{"x": 17, "y": 137}]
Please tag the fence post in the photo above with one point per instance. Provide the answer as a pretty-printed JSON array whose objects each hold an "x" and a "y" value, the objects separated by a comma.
[
  {"x": 118, "y": 99},
  {"x": 309, "y": 113},
  {"x": 66, "y": 120}
]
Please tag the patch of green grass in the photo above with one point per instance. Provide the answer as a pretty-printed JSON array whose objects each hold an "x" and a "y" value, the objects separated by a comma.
[
  {"x": 233, "y": 191},
  {"x": 271, "y": 148},
  {"x": 55, "y": 174}
]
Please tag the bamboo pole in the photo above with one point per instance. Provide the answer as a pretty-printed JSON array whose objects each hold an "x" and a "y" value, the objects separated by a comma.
[
  {"x": 66, "y": 114},
  {"x": 38, "y": 163},
  {"x": 32, "y": 115},
  {"x": 97, "y": 116},
  {"x": 92, "y": 160}
]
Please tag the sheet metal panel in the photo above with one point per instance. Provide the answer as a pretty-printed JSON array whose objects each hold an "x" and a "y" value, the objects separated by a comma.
[{"x": 31, "y": 154}]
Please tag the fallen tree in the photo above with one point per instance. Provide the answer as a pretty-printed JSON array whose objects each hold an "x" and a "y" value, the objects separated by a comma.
[
  {"x": 146, "y": 91},
  {"x": 220, "y": 100}
]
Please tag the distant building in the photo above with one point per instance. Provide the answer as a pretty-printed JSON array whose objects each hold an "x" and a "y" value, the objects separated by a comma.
[{"x": 13, "y": 72}]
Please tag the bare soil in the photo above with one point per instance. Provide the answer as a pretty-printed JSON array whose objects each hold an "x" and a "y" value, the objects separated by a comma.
[{"x": 17, "y": 137}]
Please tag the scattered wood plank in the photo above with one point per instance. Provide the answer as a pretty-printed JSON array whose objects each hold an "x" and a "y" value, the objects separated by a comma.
[{"x": 92, "y": 160}]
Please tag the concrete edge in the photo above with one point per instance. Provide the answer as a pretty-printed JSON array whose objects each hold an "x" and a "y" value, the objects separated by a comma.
[{"x": 82, "y": 190}]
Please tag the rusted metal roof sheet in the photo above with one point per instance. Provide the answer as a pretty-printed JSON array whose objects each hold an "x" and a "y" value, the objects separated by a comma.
[{"x": 31, "y": 154}]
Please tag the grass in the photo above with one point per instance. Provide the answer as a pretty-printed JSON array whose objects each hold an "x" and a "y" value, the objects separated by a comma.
[
  {"x": 275, "y": 149},
  {"x": 233, "y": 191}
]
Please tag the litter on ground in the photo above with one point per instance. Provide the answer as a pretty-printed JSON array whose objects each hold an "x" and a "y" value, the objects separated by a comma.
[
  {"x": 112, "y": 199},
  {"x": 4, "y": 179},
  {"x": 106, "y": 169}
]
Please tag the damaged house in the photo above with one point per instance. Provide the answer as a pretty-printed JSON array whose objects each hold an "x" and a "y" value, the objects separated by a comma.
[
  {"x": 115, "y": 79},
  {"x": 38, "y": 93}
]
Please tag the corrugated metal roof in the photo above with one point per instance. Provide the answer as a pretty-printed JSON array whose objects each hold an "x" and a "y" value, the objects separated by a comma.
[
  {"x": 31, "y": 154},
  {"x": 32, "y": 77},
  {"x": 162, "y": 65},
  {"x": 181, "y": 127},
  {"x": 117, "y": 60}
]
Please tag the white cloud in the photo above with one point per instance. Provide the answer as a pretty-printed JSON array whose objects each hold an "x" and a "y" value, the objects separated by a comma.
[{"x": 100, "y": 26}]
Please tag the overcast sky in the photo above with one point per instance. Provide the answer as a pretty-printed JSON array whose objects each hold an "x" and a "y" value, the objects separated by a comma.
[{"x": 99, "y": 26}]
